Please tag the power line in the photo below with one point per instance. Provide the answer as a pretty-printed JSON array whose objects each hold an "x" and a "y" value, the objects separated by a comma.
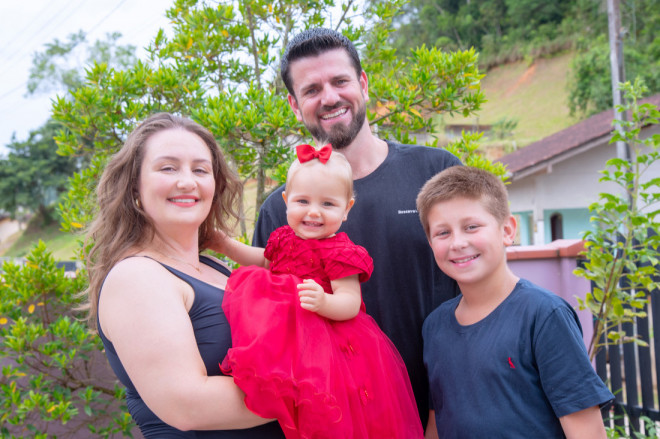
[
  {"x": 58, "y": 24},
  {"x": 18, "y": 87},
  {"x": 11, "y": 100},
  {"x": 21, "y": 47},
  {"x": 139, "y": 30},
  {"x": 31, "y": 22},
  {"x": 106, "y": 17}
]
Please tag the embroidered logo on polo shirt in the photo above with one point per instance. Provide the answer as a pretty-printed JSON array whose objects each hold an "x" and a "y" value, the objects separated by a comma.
[
  {"x": 406, "y": 212},
  {"x": 511, "y": 365}
]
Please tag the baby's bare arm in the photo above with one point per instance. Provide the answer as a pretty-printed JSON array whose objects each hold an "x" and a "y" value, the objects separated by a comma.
[
  {"x": 237, "y": 251},
  {"x": 343, "y": 304}
]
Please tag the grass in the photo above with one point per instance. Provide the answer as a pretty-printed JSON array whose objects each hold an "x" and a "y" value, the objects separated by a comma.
[
  {"x": 534, "y": 95},
  {"x": 61, "y": 244}
]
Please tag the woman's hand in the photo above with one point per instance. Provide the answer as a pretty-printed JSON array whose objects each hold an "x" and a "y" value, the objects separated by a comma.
[{"x": 218, "y": 242}]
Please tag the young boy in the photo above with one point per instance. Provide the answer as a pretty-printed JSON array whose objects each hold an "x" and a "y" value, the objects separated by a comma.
[{"x": 506, "y": 358}]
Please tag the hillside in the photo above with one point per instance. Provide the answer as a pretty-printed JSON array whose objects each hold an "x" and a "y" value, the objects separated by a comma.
[{"x": 534, "y": 95}]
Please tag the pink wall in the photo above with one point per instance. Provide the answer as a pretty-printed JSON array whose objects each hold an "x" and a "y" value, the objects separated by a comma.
[{"x": 551, "y": 267}]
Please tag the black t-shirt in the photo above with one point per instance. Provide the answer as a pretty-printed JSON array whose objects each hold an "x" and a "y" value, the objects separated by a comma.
[{"x": 406, "y": 284}]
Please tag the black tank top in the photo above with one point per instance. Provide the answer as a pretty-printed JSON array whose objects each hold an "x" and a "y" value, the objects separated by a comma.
[{"x": 213, "y": 340}]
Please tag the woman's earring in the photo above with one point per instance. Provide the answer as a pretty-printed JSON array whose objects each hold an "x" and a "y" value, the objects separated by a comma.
[{"x": 137, "y": 203}]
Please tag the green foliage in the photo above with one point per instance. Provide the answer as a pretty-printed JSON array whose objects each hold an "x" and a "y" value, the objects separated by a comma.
[
  {"x": 590, "y": 89},
  {"x": 32, "y": 175},
  {"x": 50, "y": 380},
  {"x": 221, "y": 67},
  {"x": 650, "y": 430},
  {"x": 622, "y": 251},
  {"x": 501, "y": 30},
  {"x": 429, "y": 81},
  {"x": 465, "y": 149},
  {"x": 53, "y": 69},
  {"x": 504, "y": 127}
]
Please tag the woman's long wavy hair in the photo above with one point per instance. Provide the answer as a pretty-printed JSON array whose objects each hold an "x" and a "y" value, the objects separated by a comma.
[{"x": 120, "y": 227}]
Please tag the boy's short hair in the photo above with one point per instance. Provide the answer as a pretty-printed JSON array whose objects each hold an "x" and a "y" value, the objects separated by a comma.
[
  {"x": 313, "y": 42},
  {"x": 337, "y": 163},
  {"x": 463, "y": 182}
]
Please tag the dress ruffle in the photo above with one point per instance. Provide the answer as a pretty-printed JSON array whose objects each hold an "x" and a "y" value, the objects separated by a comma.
[{"x": 319, "y": 378}]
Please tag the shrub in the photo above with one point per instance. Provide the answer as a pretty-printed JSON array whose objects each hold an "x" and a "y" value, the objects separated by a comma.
[{"x": 55, "y": 380}]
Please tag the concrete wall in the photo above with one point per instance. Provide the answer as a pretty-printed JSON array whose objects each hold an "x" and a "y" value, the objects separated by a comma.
[{"x": 551, "y": 267}]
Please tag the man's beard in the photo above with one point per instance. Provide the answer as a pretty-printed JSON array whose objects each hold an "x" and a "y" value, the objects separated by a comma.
[{"x": 340, "y": 135}]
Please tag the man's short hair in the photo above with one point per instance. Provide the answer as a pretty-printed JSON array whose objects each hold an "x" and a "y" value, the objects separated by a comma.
[
  {"x": 464, "y": 182},
  {"x": 313, "y": 42}
]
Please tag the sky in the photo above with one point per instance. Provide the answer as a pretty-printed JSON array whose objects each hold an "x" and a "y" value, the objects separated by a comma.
[{"x": 27, "y": 25}]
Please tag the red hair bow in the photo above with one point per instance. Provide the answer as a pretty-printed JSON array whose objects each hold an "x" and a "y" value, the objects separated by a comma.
[{"x": 307, "y": 152}]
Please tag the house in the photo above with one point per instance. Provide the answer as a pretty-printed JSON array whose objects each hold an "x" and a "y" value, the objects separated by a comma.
[{"x": 553, "y": 181}]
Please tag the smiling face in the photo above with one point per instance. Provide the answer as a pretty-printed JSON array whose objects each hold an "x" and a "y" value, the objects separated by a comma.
[
  {"x": 176, "y": 185},
  {"x": 468, "y": 242},
  {"x": 316, "y": 201},
  {"x": 329, "y": 98}
]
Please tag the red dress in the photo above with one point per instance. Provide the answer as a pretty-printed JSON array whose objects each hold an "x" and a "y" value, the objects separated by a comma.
[{"x": 320, "y": 378}]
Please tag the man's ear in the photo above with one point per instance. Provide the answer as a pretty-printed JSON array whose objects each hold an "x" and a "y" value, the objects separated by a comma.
[
  {"x": 364, "y": 85},
  {"x": 293, "y": 103}
]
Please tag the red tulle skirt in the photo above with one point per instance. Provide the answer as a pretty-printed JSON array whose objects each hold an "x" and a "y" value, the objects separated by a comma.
[{"x": 319, "y": 378}]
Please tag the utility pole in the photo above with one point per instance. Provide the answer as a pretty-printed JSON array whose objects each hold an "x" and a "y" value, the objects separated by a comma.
[{"x": 618, "y": 71}]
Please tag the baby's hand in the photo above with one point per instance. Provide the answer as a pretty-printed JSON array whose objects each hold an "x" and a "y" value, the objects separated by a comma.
[{"x": 312, "y": 297}]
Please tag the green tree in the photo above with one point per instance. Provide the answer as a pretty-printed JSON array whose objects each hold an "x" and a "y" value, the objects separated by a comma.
[
  {"x": 55, "y": 68},
  {"x": 32, "y": 175},
  {"x": 54, "y": 380},
  {"x": 501, "y": 30},
  {"x": 220, "y": 66},
  {"x": 590, "y": 86}
]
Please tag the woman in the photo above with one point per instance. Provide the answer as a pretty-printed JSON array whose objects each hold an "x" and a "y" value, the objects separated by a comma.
[{"x": 154, "y": 299}]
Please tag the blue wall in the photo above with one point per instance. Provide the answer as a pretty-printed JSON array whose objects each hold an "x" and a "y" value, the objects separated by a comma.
[
  {"x": 574, "y": 221},
  {"x": 525, "y": 227}
]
